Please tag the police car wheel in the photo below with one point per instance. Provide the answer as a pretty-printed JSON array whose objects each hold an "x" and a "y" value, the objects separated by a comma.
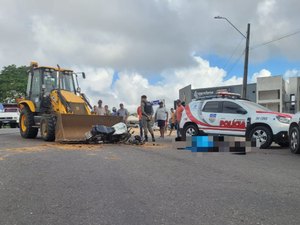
[
  {"x": 263, "y": 135},
  {"x": 190, "y": 130},
  {"x": 295, "y": 140}
]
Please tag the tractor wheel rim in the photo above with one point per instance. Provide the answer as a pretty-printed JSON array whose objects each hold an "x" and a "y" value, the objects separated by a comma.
[
  {"x": 23, "y": 123},
  {"x": 260, "y": 135}
]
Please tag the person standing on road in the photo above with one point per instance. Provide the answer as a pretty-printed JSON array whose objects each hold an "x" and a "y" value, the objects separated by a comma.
[
  {"x": 94, "y": 111},
  {"x": 139, "y": 113},
  {"x": 161, "y": 116},
  {"x": 123, "y": 113},
  {"x": 100, "y": 110},
  {"x": 114, "y": 111},
  {"x": 147, "y": 114},
  {"x": 179, "y": 111},
  {"x": 172, "y": 121},
  {"x": 107, "y": 111}
]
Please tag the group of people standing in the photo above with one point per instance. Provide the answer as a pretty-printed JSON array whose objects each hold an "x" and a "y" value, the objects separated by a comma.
[
  {"x": 147, "y": 117},
  {"x": 104, "y": 111},
  {"x": 145, "y": 113}
]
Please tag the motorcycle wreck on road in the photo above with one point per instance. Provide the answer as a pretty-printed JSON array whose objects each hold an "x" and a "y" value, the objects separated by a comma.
[{"x": 119, "y": 133}]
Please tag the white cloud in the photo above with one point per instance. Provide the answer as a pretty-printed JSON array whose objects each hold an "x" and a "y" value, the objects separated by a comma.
[
  {"x": 291, "y": 73},
  {"x": 139, "y": 39},
  {"x": 129, "y": 86},
  {"x": 140, "y": 35},
  {"x": 262, "y": 73}
]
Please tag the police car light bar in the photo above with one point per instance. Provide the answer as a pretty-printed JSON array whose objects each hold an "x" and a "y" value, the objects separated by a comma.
[{"x": 221, "y": 95}]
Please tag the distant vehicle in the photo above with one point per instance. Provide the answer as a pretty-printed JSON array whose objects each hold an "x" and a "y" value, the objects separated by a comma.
[
  {"x": 228, "y": 114},
  {"x": 155, "y": 127},
  {"x": 294, "y": 134},
  {"x": 133, "y": 121},
  {"x": 9, "y": 115}
]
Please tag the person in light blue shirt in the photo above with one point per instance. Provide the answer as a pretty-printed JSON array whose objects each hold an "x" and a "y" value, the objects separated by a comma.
[
  {"x": 114, "y": 111},
  {"x": 123, "y": 113}
]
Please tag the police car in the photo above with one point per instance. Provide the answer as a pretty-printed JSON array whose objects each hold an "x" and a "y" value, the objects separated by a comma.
[
  {"x": 228, "y": 114},
  {"x": 294, "y": 134}
]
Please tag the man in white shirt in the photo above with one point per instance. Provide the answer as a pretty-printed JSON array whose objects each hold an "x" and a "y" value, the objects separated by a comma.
[
  {"x": 100, "y": 109},
  {"x": 161, "y": 116}
]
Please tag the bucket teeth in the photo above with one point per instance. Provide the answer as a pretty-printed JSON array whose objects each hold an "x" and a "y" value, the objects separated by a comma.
[{"x": 72, "y": 128}]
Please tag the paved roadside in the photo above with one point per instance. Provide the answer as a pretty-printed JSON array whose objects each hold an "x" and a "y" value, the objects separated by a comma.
[{"x": 48, "y": 183}]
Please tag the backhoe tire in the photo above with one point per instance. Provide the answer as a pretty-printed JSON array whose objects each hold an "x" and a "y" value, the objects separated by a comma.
[
  {"x": 48, "y": 128},
  {"x": 26, "y": 124}
]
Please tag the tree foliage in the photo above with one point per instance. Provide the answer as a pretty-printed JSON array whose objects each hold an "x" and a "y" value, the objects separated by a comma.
[{"x": 13, "y": 82}]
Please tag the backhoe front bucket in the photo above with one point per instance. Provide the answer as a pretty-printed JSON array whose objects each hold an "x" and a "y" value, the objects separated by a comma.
[{"x": 72, "y": 128}]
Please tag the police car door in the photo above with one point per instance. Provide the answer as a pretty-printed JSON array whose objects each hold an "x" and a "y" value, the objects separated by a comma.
[
  {"x": 232, "y": 119},
  {"x": 210, "y": 117}
]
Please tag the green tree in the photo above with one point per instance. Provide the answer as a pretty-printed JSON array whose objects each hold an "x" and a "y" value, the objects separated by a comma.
[{"x": 13, "y": 82}]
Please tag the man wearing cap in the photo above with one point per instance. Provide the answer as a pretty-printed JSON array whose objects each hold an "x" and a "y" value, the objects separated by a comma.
[{"x": 161, "y": 116}]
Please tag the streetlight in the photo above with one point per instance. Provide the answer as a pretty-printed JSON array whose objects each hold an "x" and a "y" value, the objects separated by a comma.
[{"x": 247, "y": 36}]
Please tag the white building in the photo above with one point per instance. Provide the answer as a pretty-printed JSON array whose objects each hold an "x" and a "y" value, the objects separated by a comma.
[{"x": 270, "y": 92}]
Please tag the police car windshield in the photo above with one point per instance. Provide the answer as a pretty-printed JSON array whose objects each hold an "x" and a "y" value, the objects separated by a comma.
[{"x": 256, "y": 106}]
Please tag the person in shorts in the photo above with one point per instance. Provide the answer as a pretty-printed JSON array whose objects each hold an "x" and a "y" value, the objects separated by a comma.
[
  {"x": 172, "y": 121},
  {"x": 161, "y": 116}
]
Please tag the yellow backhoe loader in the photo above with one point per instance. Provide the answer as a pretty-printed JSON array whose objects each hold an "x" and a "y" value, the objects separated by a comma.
[{"x": 55, "y": 105}]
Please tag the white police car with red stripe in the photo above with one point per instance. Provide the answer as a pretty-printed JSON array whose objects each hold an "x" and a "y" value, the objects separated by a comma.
[
  {"x": 228, "y": 114},
  {"x": 294, "y": 134}
]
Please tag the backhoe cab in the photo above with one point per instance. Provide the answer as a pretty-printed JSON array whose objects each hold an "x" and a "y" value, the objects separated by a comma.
[{"x": 55, "y": 105}]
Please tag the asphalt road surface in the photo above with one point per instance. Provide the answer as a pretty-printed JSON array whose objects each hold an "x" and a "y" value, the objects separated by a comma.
[{"x": 46, "y": 183}]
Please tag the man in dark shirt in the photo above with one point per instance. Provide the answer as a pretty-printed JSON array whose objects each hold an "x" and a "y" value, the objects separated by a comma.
[{"x": 147, "y": 117}]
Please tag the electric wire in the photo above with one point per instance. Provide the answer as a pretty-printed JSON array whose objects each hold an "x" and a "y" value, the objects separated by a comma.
[
  {"x": 235, "y": 63},
  {"x": 233, "y": 53},
  {"x": 273, "y": 40}
]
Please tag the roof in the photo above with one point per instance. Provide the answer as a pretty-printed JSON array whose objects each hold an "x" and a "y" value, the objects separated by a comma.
[{"x": 53, "y": 68}]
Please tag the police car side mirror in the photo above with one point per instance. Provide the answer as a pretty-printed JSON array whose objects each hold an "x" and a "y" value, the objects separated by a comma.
[{"x": 241, "y": 111}]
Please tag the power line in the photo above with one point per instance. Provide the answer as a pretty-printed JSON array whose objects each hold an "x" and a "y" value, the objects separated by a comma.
[
  {"x": 233, "y": 53},
  {"x": 273, "y": 40},
  {"x": 235, "y": 63}
]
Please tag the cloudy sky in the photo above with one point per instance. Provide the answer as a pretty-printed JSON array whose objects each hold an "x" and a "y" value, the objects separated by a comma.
[{"x": 155, "y": 47}]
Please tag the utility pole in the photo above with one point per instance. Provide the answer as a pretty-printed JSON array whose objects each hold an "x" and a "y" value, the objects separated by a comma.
[
  {"x": 247, "y": 37},
  {"x": 245, "y": 78}
]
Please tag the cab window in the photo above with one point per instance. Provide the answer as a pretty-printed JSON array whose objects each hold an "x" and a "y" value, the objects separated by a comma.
[
  {"x": 231, "y": 107},
  {"x": 36, "y": 84},
  {"x": 212, "y": 106}
]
